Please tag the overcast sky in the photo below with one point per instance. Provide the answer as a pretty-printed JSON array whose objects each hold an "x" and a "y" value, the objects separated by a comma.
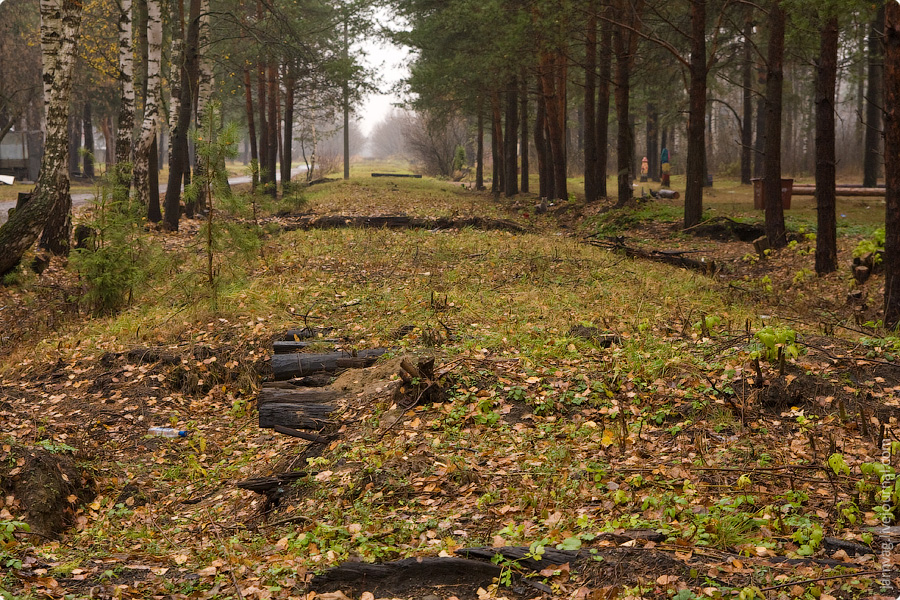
[{"x": 391, "y": 63}]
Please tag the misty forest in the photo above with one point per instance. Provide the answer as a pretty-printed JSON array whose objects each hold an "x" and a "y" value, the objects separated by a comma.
[{"x": 449, "y": 300}]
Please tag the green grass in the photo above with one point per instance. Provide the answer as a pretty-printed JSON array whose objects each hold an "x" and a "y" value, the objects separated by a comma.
[{"x": 496, "y": 310}]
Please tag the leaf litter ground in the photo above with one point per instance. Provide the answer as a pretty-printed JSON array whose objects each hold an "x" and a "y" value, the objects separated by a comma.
[{"x": 651, "y": 460}]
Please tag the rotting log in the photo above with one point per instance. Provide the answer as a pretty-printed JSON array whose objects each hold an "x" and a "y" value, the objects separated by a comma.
[
  {"x": 402, "y": 222},
  {"x": 295, "y": 416},
  {"x": 265, "y": 485},
  {"x": 671, "y": 257},
  {"x": 378, "y": 577},
  {"x": 408, "y": 175},
  {"x": 810, "y": 190},
  {"x": 283, "y": 347},
  {"x": 522, "y": 556},
  {"x": 288, "y": 366},
  {"x": 277, "y": 393},
  {"x": 423, "y": 387}
]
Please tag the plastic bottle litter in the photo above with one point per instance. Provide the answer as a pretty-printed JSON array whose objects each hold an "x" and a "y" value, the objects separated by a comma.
[{"x": 169, "y": 432}]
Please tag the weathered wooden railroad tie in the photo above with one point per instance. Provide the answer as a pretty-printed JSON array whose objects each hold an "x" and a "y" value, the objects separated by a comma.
[{"x": 301, "y": 403}]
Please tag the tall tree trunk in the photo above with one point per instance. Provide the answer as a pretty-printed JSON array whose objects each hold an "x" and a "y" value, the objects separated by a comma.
[
  {"x": 775, "y": 231},
  {"x": 747, "y": 93},
  {"x": 624, "y": 140},
  {"x": 545, "y": 176},
  {"x": 696, "y": 142},
  {"x": 346, "y": 102},
  {"x": 479, "y": 153},
  {"x": 74, "y": 143},
  {"x": 179, "y": 157},
  {"x": 204, "y": 94},
  {"x": 58, "y": 224},
  {"x": 175, "y": 79},
  {"x": 590, "y": 105},
  {"x": 523, "y": 120},
  {"x": 264, "y": 168},
  {"x": 25, "y": 224},
  {"x": 759, "y": 146},
  {"x": 251, "y": 129},
  {"x": 88, "y": 127},
  {"x": 652, "y": 141},
  {"x": 141, "y": 170},
  {"x": 872, "y": 158},
  {"x": 891, "y": 166},
  {"x": 279, "y": 76},
  {"x": 161, "y": 148},
  {"x": 109, "y": 139},
  {"x": 826, "y": 78},
  {"x": 272, "y": 125},
  {"x": 497, "y": 176},
  {"x": 860, "y": 98},
  {"x": 154, "y": 211},
  {"x": 510, "y": 141},
  {"x": 51, "y": 23},
  {"x": 602, "y": 117},
  {"x": 289, "y": 85},
  {"x": 554, "y": 68}
]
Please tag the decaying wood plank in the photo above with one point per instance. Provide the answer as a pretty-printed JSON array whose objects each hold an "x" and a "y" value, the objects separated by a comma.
[
  {"x": 465, "y": 570},
  {"x": 264, "y": 485},
  {"x": 288, "y": 366},
  {"x": 276, "y": 393},
  {"x": 286, "y": 347},
  {"x": 520, "y": 554},
  {"x": 295, "y": 416}
]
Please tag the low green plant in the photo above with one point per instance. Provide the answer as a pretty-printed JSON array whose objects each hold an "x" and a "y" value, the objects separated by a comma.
[
  {"x": 873, "y": 245},
  {"x": 774, "y": 341},
  {"x": 8, "y": 530}
]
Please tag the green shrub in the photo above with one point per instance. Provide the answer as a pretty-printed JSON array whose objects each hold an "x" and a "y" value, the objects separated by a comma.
[{"x": 121, "y": 258}]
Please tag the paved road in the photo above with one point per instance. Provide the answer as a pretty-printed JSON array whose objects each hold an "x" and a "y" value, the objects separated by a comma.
[{"x": 82, "y": 199}]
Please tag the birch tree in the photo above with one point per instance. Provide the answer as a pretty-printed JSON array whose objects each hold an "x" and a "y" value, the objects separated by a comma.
[
  {"x": 204, "y": 90},
  {"x": 26, "y": 224},
  {"x": 58, "y": 224},
  {"x": 140, "y": 178},
  {"x": 126, "y": 110}
]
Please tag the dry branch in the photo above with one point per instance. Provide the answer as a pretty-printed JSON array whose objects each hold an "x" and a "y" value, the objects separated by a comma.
[{"x": 671, "y": 257}]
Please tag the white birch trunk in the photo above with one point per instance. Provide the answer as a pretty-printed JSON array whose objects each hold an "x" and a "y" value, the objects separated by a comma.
[
  {"x": 205, "y": 69},
  {"x": 126, "y": 76},
  {"x": 175, "y": 85},
  {"x": 204, "y": 90},
  {"x": 51, "y": 30},
  {"x": 25, "y": 225},
  {"x": 141, "y": 170}
]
